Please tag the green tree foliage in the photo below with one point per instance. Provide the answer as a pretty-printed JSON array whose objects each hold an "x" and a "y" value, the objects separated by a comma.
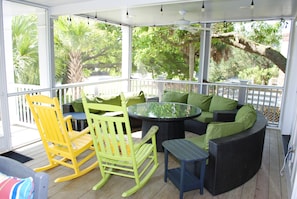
[
  {"x": 246, "y": 66},
  {"x": 263, "y": 32},
  {"x": 258, "y": 74},
  {"x": 163, "y": 50},
  {"x": 25, "y": 49},
  {"x": 264, "y": 69},
  {"x": 219, "y": 50},
  {"x": 260, "y": 69},
  {"x": 244, "y": 63},
  {"x": 83, "y": 47}
]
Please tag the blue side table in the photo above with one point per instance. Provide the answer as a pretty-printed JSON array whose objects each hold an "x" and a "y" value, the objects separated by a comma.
[
  {"x": 186, "y": 152},
  {"x": 79, "y": 120}
]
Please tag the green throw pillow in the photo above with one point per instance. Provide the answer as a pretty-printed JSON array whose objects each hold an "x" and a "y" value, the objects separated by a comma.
[
  {"x": 219, "y": 103},
  {"x": 115, "y": 100},
  {"x": 173, "y": 96},
  {"x": 246, "y": 115},
  {"x": 218, "y": 130},
  {"x": 77, "y": 105},
  {"x": 140, "y": 98},
  {"x": 200, "y": 100}
]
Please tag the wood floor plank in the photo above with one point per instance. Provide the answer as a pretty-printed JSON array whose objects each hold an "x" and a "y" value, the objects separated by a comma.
[
  {"x": 266, "y": 184},
  {"x": 274, "y": 183},
  {"x": 233, "y": 194},
  {"x": 262, "y": 190},
  {"x": 283, "y": 180},
  {"x": 249, "y": 189}
]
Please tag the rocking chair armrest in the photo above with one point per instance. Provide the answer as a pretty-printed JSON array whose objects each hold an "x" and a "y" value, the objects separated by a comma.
[
  {"x": 67, "y": 118},
  {"x": 68, "y": 122},
  {"x": 113, "y": 113},
  {"x": 151, "y": 132},
  {"x": 78, "y": 134}
]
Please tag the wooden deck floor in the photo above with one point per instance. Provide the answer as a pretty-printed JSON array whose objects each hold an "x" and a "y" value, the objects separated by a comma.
[{"x": 266, "y": 184}]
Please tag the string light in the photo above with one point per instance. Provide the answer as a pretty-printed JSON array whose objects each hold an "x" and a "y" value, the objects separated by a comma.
[
  {"x": 127, "y": 14},
  {"x": 161, "y": 10},
  {"x": 203, "y": 7},
  {"x": 284, "y": 23},
  {"x": 252, "y": 4},
  {"x": 225, "y": 24}
]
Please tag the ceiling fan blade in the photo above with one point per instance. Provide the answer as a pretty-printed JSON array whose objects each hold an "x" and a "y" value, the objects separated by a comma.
[{"x": 184, "y": 24}]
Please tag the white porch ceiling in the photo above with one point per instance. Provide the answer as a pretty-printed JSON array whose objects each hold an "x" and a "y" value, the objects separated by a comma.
[{"x": 147, "y": 12}]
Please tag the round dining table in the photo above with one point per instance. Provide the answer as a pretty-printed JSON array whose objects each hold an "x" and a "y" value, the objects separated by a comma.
[{"x": 168, "y": 116}]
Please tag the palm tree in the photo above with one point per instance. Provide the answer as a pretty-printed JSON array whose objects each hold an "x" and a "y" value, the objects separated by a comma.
[
  {"x": 25, "y": 49},
  {"x": 70, "y": 39},
  {"x": 82, "y": 47}
]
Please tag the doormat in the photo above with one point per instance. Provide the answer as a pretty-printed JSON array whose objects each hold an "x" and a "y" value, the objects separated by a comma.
[{"x": 17, "y": 156}]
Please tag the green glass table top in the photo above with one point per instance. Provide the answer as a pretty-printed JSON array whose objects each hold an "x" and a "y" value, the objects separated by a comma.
[{"x": 163, "y": 111}]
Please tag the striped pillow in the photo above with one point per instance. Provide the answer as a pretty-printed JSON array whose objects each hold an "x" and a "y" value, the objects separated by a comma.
[{"x": 16, "y": 188}]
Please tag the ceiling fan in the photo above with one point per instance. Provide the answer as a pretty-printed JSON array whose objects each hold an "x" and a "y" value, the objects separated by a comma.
[{"x": 183, "y": 24}]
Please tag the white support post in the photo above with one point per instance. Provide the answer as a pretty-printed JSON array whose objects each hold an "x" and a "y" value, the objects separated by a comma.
[
  {"x": 242, "y": 92},
  {"x": 126, "y": 56},
  {"x": 45, "y": 72},
  {"x": 290, "y": 92},
  {"x": 9, "y": 68},
  {"x": 205, "y": 45}
]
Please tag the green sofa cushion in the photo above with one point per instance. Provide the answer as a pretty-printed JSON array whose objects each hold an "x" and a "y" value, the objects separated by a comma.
[
  {"x": 205, "y": 117},
  {"x": 140, "y": 98},
  {"x": 173, "y": 96},
  {"x": 200, "y": 100},
  {"x": 219, "y": 103},
  {"x": 218, "y": 130},
  {"x": 246, "y": 115},
  {"x": 198, "y": 140}
]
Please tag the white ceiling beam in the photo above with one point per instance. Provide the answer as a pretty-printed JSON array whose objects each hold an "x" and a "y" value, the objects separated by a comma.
[{"x": 103, "y": 5}]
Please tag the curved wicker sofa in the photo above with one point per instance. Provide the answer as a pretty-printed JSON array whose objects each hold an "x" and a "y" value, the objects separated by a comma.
[
  {"x": 235, "y": 159},
  {"x": 234, "y": 140}
]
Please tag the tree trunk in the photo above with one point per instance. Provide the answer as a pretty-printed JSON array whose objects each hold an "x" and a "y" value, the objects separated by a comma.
[
  {"x": 191, "y": 60},
  {"x": 74, "y": 70},
  {"x": 250, "y": 46}
]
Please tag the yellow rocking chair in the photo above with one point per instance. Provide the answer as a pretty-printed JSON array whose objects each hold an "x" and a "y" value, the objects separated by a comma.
[
  {"x": 116, "y": 151},
  {"x": 63, "y": 145}
]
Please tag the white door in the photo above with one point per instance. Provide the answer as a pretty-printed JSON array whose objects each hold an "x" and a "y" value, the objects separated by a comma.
[
  {"x": 13, "y": 115},
  {"x": 291, "y": 156},
  {"x": 4, "y": 132}
]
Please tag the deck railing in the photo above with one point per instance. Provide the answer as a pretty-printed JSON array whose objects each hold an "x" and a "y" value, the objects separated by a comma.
[{"x": 266, "y": 99}]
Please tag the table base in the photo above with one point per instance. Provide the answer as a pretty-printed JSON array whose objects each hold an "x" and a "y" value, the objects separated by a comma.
[{"x": 167, "y": 131}]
